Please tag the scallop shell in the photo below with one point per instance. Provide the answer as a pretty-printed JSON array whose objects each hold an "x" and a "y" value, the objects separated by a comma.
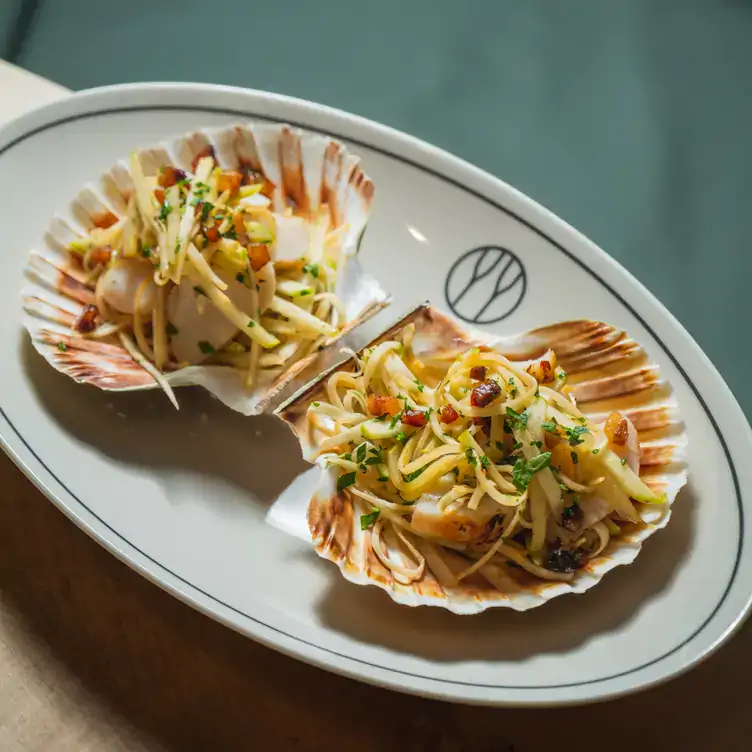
[
  {"x": 306, "y": 170},
  {"x": 608, "y": 371}
]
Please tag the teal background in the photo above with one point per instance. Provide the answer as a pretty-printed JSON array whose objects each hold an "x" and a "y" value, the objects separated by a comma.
[{"x": 630, "y": 119}]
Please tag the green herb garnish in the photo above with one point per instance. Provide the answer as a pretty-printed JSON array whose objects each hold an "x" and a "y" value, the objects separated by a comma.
[
  {"x": 206, "y": 348},
  {"x": 518, "y": 420},
  {"x": 574, "y": 434},
  {"x": 171, "y": 329},
  {"x": 470, "y": 457},
  {"x": 366, "y": 520},
  {"x": 62, "y": 346},
  {"x": 345, "y": 480},
  {"x": 524, "y": 470},
  {"x": 575, "y": 458},
  {"x": 312, "y": 269}
]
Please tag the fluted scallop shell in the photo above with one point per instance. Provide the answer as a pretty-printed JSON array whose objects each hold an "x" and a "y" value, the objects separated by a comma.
[
  {"x": 608, "y": 371},
  {"x": 307, "y": 172}
]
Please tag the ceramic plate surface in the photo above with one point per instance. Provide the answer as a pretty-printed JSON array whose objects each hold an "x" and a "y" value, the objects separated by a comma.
[{"x": 188, "y": 498}]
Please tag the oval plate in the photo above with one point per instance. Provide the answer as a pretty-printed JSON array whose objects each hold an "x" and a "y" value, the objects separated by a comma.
[{"x": 183, "y": 497}]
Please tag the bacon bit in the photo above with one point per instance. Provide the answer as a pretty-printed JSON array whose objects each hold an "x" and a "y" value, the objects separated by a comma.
[
  {"x": 616, "y": 429},
  {"x": 207, "y": 151},
  {"x": 484, "y": 394},
  {"x": 159, "y": 195},
  {"x": 416, "y": 418},
  {"x": 484, "y": 423},
  {"x": 238, "y": 223},
  {"x": 87, "y": 321},
  {"x": 104, "y": 220},
  {"x": 99, "y": 256},
  {"x": 448, "y": 414},
  {"x": 169, "y": 176},
  {"x": 543, "y": 370},
  {"x": 379, "y": 405},
  {"x": 230, "y": 181},
  {"x": 478, "y": 373},
  {"x": 258, "y": 255},
  {"x": 212, "y": 234}
]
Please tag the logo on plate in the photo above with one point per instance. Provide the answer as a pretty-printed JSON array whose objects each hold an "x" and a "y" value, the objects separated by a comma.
[{"x": 485, "y": 285}]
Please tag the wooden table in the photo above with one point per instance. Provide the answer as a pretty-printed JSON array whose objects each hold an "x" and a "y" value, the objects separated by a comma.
[{"x": 94, "y": 657}]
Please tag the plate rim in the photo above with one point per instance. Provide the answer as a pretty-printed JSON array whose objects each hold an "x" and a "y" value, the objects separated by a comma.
[{"x": 82, "y": 105}]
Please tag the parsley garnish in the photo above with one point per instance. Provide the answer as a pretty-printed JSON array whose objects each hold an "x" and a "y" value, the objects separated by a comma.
[
  {"x": 316, "y": 404},
  {"x": 470, "y": 457},
  {"x": 165, "y": 210},
  {"x": 171, "y": 329},
  {"x": 623, "y": 460},
  {"x": 574, "y": 434},
  {"x": 205, "y": 209},
  {"x": 414, "y": 475},
  {"x": 517, "y": 445},
  {"x": 536, "y": 444},
  {"x": 395, "y": 419},
  {"x": 420, "y": 386},
  {"x": 251, "y": 323},
  {"x": 575, "y": 458},
  {"x": 206, "y": 348},
  {"x": 231, "y": 234},
  {"x": 401, "y": 437},
  {"x": 146, "y": 251},
  {"x": 523, "y": 470},
  {"x": 562, "y": 374},
  {"x": 518, "y": 420},
  {"x": 360, "y": 453},
  {"x": 485, "y": 463},
  {"x": 549, "y": 425},
  {"x": 366, "y": 520},
  {"x": 595, "y": 451},
  {"x": 240, "y": 277},
  {"x": 346, "y": 480},
  {"x": 62, "y": 346},
  {"x": 312, "y": 269}
]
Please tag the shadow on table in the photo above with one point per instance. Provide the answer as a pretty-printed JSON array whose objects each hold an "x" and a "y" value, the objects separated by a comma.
[{"x": 202, "y": 439}]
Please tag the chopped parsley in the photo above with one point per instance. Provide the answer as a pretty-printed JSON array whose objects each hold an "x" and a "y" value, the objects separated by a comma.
[
  {"x": 146, "y": 251},
  {"x": 205, "y": 210},
  {"x": 165, "y": 211},
  {"x": 401, "y": 437},
  {"x": 562, "y": 374},
  {"x": 575, "y": 458},
  {"x": 595, "y": 451},
  {"x": 312, "y": 269},
  {"x": 470, "y": 457},
  {"x": 518, "y": 420},
  {"x": 420, "y": 386},
  {"x": 367, "y": 520},
  {"x": 549, "y": 425},
  {"x": 360, "y": 453},
  {"x": 395, "y": 419},
  {"x": 206, "y": 348},
  {"x": 240, "y": 277},
  {"x": 523, "y": 471},
  {"x": 574, "y": 434},
  {"x": 231, "y": 234},
  {"x": 171, "y": 329},
  {"x": 517, "y": 445},
  {"x": 251, "y": 323},
  {"x": 623, "y": 460},
  {"x": 485, "y": 463},
  {"x": 316, "y": 404},
  {"x": 62, "y": 346},
  {"x": 346, "y": 480},
  {"x": 415, "y": 474},
  {"x": 536, "y": 444}
]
